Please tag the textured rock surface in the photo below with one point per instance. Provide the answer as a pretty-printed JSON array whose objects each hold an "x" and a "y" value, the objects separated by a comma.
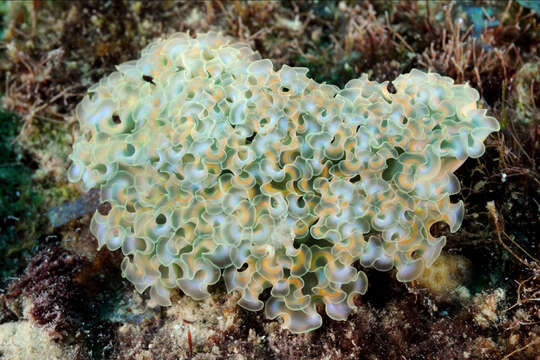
[{"x": 24, "y": 341}]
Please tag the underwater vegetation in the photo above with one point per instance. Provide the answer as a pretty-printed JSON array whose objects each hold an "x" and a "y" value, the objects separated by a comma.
[
  {"x": 19, "y": 199},
  {"x": 478, "y": 299}
]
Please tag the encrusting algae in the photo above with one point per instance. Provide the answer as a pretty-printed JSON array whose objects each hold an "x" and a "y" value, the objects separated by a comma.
[{"x": 216, "y": 165}]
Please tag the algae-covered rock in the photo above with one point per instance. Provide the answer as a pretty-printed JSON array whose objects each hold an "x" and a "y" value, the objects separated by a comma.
[
  {"x": 23, "y": 341},
  {"x": 527, "y": 93}
]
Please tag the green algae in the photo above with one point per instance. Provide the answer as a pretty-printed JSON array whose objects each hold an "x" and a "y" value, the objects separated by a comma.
[
  {"x": 516, "y": 194},
  {"x": 19, "y": 200},
  {"x": 23, "y": 200}
]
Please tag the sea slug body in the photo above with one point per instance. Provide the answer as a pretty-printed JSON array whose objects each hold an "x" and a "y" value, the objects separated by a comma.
[{"x": 217, "y": 166}]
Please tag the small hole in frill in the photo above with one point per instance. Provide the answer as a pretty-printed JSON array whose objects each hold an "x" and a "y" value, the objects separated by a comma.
[
  {"x": 249, "y": 139},
  {"x": 161, "y": 219},
  {"x": 243, "y": 268},
  {"x": 129, "y": 150},
  {"x": 439, "y": 228},
  {"x": 148, "y": 79},
  {"x": 104, "y": 208},
  {"x": 391, "y": 88}
]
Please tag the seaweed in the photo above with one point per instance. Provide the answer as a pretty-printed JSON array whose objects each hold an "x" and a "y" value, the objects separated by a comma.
[
  {"x": 19, "y": 199},
  {"x": 94, "y": 36}
]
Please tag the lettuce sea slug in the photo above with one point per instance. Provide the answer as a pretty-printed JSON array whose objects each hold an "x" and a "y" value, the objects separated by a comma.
[{"x": 217, "y": 166}]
